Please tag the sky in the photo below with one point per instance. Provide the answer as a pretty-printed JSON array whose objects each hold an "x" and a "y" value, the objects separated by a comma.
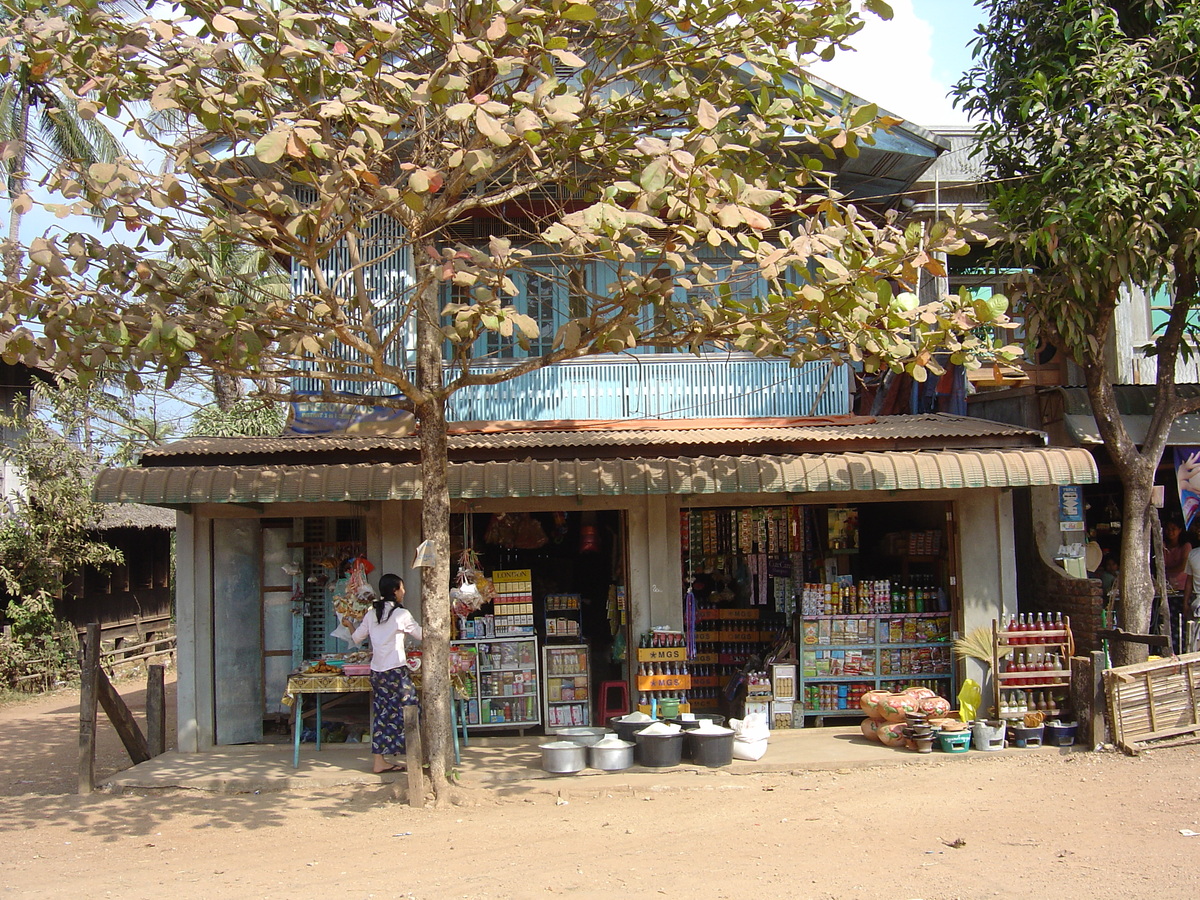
[{"x": 908, "y": 64}]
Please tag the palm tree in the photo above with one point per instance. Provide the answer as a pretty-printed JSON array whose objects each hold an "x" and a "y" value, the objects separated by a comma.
[
  {"x": 41, "y": 125},
  {"x": 223, "y": 273}
]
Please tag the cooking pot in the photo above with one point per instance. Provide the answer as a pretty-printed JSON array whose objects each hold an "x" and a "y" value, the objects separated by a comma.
[
  {"x": 563, "y": 757},
  {"x": 583, "y": 734},
  {"x": 611, "y": 756}
]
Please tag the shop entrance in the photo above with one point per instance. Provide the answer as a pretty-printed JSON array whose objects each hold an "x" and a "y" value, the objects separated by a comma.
[
  {"x": 557, "y": 624},
  {"x": 856, "y": 597}
]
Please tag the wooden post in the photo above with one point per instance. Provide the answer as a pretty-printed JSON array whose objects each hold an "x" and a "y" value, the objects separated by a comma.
[
  {"x": 89, "y": 678},
  {"x": 156, "y": 710},
  {"x": 122, "y": 719},
  {"x": 1097, "y": 724},
  {"x": 414, "y": 756}
]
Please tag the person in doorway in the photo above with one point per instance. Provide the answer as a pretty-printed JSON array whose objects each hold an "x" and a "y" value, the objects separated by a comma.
[
  {"x": 1110, "y": 570},
  {"x": 386, "y": 625},
  {"x": 1176, "y": 548},
  {"x": 1191, "y": 591}
]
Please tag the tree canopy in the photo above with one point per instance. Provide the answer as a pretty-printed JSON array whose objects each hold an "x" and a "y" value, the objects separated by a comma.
[
  {"x": 665, "y": 128},
  {"x": 1090, "y": 128}
]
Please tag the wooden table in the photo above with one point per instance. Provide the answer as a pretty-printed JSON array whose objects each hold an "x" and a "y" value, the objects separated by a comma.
[{"x": 299, "y": 685}]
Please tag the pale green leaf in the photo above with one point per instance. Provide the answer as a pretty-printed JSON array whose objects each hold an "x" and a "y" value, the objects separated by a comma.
[
  {"x": 271, "y": 146},
  {"x": 579, "y": 12}
]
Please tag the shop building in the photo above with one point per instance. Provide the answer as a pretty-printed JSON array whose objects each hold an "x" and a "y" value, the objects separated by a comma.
[{"x": 752, "y": 515}]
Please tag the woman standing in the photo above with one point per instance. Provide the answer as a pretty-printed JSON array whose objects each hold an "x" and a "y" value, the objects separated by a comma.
[{"x": 391, "y": 686}]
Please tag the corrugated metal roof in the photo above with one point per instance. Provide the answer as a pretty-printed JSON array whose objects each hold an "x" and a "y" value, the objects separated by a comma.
[
  {"x": 804, "y": 473},
  {"x": 517, "y": 436}
]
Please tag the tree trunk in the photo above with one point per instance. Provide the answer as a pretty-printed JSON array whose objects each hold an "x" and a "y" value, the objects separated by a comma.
[
  {"x": 227, "y": 390},
  {"x": 16, "y": 186},
  {"x": 435, "y": 528},
  {"x": 1135, "y": 467},
  {"x": 1137, "y": 588}
]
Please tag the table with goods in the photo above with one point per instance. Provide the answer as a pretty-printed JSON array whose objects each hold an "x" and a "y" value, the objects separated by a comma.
[{"x": 347, "y": 673}]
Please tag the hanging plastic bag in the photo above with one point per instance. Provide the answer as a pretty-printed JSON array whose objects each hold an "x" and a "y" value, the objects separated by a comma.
[
  {"x": 425, "y": 557},
  {"x": 619, "y": 647},
  {"x": 530, "y": 534},
  {"x": 970, "y": 695}
]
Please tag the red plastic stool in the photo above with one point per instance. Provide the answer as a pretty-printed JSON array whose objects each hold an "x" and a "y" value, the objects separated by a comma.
[{"x": 614, "y": 700}]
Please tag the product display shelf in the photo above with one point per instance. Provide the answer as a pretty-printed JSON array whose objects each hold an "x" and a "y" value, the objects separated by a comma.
[
  {"x": 834, "y": 672},
  {"x": 562, "y": 622},
  {"x": 504, "y": 683},
  {"x": 566, "y": 693},
  {"x": 1052, "y": 686}
]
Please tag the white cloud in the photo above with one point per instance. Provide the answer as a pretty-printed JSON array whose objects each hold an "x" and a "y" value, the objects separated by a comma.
[{"x": 893, "y": 66}]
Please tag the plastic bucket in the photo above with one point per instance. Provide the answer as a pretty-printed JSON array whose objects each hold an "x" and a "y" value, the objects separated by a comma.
[
  {"x": 563, "y": 757},
  {"x": 689, "y": 724},
  {"x": 710, "y": 749},
  {"x": 668, "y": 708},
  {"x": 1061, "y": 735},
  {"x": 627, "y": 731},
  {"x": 659, "y": 750}
]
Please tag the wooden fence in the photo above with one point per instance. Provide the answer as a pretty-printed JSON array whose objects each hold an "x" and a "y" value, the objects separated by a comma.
[{"x": 45, "y": 672}]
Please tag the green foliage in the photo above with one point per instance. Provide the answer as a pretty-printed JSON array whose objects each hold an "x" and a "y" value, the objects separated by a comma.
[
  {"x": 582, "y": 133},
  {"x": 1090, "y": 118},
  {"x": 44, "y": 650},
  {"x": 45, "y": 537},
  {"x": 46, "y": 531},
  {"x": 1091, "y": 129},
  {"x": 257, "y": 418}
]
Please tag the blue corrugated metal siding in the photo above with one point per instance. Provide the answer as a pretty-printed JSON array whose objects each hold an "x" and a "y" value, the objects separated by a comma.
[{"x": 661, "y": 387}]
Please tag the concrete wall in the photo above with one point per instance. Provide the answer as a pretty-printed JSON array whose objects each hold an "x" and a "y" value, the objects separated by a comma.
[{"x": 988, "y": 564}]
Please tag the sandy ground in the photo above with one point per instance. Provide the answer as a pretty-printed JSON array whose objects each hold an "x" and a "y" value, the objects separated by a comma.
[{"x": 1078, "y": 825}]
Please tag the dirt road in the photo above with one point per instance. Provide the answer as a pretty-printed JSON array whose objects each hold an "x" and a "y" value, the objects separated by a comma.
[{"x": 1080, "y": 826}]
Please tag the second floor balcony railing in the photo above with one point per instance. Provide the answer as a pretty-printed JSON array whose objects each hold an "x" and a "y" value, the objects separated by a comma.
[
  {"x": 648, "y": 386},
  {"x": 660, "y": 387}
]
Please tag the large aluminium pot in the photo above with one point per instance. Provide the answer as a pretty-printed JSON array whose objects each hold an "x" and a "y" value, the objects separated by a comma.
[
  {"x": 563, "y": 757},
  {"x": 611, "y": 756},
  {"x": 583, "y": 734}
]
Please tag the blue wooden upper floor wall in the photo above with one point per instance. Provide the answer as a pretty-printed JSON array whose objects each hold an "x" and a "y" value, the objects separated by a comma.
[{"x": 639, "y": 384}]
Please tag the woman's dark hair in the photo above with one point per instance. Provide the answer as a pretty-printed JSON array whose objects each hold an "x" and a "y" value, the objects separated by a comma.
[{"x": 387, "y": 591}]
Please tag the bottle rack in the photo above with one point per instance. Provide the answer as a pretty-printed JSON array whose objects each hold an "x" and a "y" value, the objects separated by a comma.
[
  {"x": 725, "y": 640},
  {"x": 663, "y": 672},
  {"x": 1052, "y": 687}
]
